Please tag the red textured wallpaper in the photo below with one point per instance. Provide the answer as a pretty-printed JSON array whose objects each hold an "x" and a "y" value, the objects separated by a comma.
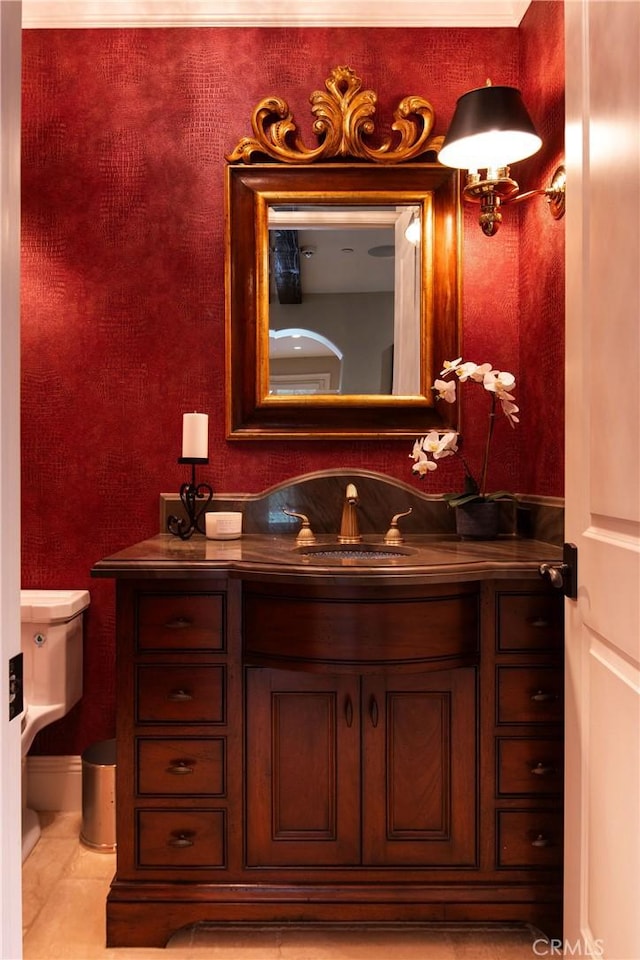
[
  {"x": 542, "y": 275},
  {"x": 125, "y": 133}
]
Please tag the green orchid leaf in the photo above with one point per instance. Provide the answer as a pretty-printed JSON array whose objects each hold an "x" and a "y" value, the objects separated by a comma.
[{"x": 459, "y": 499}]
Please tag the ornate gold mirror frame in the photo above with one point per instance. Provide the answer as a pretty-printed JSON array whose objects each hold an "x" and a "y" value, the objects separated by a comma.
[{"x": 273, "y": 177}]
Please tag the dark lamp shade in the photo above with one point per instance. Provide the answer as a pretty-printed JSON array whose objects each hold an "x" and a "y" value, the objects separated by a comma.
[{"x": 490, "y": 128}]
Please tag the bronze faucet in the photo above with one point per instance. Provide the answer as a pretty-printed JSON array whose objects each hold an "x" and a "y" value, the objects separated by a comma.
[{"x": 349, "y": 531}]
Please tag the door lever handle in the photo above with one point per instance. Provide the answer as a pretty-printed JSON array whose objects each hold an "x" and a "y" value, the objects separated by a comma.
[
  {"x": 554, "y": 573},
  {"x": 563, "y": 576}
]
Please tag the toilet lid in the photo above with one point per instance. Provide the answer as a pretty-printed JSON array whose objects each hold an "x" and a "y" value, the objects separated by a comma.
[{"x": 40, "y": 606}]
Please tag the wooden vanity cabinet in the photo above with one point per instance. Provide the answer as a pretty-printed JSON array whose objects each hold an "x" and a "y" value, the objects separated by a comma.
[{"x": 289, "y": 751}]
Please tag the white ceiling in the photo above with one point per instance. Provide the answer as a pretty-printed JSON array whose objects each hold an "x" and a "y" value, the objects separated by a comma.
[{"x": 277, "y": 13}]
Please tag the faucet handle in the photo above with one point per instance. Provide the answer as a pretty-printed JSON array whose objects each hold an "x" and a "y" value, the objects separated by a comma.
[
  {"x": 393, "y": 534},
  {"x": 305, "y": 533}
]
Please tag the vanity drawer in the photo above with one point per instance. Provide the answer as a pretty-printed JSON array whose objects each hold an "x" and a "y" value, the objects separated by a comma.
[
  {"x": 361, "y": 630},
  {"x": 180, "y": 694},
  {"x": 530, "y": 621},
  {"x": 181, "y": 838},
  {"x": 529, "y": 695},
  {"x": 180, "y": 621},
  {"x": 191, "y": 766},
  {"x": 529, "y": 838},
  {"x": 530, "y": 766}
]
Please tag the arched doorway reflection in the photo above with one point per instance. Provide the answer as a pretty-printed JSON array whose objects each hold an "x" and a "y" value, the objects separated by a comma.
[{"x": 303, "y": 362}]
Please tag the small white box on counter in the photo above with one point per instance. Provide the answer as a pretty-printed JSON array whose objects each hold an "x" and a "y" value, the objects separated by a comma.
[{"x": 223, "y": 525}]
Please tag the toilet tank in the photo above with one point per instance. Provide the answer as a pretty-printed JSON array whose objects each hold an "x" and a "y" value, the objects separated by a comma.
[{"x": 51, "y": 641}]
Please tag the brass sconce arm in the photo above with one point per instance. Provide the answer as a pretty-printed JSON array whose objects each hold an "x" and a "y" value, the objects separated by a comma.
[
  {"x": 555, "y": 193},
  {"x": 498, "y": 189}
]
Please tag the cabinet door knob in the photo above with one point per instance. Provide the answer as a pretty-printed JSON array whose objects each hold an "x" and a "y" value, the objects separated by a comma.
[
  {"x": 181, "y": 841},
  {"x": 180, "y": 767},
  {"x": 541, "y": 696},
  {"x": 373, "y": 711},
  {"x": 348, "y": 711},
  {"x": 543, "y": 769},
  {"x": 541, "y": 841},
  {"x": 179, "y": 696}
]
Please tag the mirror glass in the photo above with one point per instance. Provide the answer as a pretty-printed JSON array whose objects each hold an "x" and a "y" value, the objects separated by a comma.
[{"x": 334, "y": 274}]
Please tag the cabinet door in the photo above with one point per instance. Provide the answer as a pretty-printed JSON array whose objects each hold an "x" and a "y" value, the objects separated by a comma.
[
  {"x": 302, "y": 768},
  {"x": 419, "y": 769}
]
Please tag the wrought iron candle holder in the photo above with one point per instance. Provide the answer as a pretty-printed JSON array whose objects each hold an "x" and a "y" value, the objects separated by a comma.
[{"x": 195, "y": 498}]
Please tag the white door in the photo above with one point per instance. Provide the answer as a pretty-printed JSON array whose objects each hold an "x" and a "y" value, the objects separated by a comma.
[
  {"x": 602, "y": 905},
  {"x": 10, "y": 842}
]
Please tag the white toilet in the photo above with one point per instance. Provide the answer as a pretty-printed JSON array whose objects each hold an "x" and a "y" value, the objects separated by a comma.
[{"x": 51, "y": 640}]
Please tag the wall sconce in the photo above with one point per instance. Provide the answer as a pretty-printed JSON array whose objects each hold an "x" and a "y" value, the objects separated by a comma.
[{"x": 491, "y": 128}]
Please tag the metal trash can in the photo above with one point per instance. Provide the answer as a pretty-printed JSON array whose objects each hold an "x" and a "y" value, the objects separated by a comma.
[{"x": 99, "y": 796}]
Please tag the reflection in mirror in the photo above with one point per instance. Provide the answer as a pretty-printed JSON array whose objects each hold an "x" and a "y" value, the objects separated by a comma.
[
  {"x": 350, "y": 278},
  {"x": 303, "y": 362}
]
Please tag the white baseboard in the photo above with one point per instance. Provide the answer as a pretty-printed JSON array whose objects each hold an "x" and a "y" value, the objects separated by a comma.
[{"x": 54, "y": 783}]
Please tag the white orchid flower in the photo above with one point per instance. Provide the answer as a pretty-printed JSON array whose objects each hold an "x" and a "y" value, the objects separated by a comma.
[
  {"x": 446, "y": 390},
  {"x": 480, "y": 371},
  {"x": 440, "y": 445},
  {"x": 499, "y": 382},
  {"x": 472, "y": 371},
  {"x": 423, "y": 465},
  {"x": 465, "y": 370},
  {"x": 447, "y": 446},
  {"x": 431, "y": 443},
  {"x": 449, "y": 366},
  {"x": 416, "y": 453},
  {"x": 510, "y": 409}
]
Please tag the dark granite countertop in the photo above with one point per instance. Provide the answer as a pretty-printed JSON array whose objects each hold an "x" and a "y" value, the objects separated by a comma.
[{"x": 424, "y": 558}]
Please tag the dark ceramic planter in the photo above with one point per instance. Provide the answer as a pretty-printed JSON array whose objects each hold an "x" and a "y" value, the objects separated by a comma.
[{"x": 478, "y": 520}]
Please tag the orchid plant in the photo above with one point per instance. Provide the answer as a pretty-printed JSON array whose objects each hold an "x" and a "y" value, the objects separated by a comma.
[{"x": 436, "y": 446}]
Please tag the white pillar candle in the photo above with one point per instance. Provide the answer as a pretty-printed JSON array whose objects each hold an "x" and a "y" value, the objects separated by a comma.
[{"x": 195, "y": 436}]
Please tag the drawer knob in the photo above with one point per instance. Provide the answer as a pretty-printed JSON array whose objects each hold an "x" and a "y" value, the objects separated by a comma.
[
  {"x": 178, "y": 624},
  {"x": 180, "y": 767},
  {"x": 541, "y": 841},
  {"x": 542, "y": 696},
  {"x": 179, "y": 696},
  {"x": 541, "y": 623},
  {"x": 543, "y": 769},
  {"x": 181, "y": 841}
]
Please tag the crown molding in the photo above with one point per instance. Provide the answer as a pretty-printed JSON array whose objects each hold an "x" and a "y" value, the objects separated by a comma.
[{"x": 70, "y": 14}]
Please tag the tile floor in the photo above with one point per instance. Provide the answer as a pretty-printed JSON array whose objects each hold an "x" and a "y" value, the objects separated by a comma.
[{"x": 65, "y": 886}]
